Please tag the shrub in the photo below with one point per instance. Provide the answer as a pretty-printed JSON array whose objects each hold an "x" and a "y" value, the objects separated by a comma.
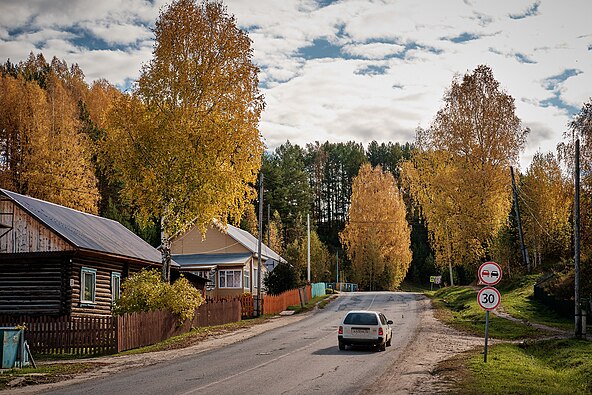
[{"x": 145, "y": 291}]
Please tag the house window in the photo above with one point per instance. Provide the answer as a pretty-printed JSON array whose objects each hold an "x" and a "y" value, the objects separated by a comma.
[
  {"x": 115, "y": 286},
  {"x": 210, "y": 275},
  {"x": 255, "y": 278},
  {"x": 88, "y": 285},
  {"x": 246, "y": 278},
  {"x": 230, "y": 278}
]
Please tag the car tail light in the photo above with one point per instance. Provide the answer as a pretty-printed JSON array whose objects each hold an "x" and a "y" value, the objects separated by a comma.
[
  {"x": 340, "y": 330},
  {"x": 380, "y": 332}
]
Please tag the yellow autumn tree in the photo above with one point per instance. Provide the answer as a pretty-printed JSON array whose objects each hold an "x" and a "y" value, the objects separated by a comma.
[
  {"x": 186, "y": 140},
  {"x": 464, "y": 158},
  {"x": 377, "y": 235},
  {"x": 545, "y": 204},
  {"x": 44, "y": 152}
]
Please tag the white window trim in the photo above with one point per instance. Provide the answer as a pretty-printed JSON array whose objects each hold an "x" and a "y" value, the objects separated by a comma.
[
  {"x": 246, "y": 279},
  {"x": 83, "y": 272},
  {"x": 240, "y": 286},
  {"x": 115, "y": 275}
]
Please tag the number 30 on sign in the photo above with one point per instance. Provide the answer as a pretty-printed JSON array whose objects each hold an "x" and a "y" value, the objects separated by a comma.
[{"x": 489, "y": 298}]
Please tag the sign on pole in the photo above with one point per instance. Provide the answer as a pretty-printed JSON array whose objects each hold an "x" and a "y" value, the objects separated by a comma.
[
  {"x": 490, "y": 273},
  {"x": 489, "y": 298}
]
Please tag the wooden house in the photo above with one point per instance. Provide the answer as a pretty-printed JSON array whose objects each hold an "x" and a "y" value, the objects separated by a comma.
[
  {"x": 228, "y": 257},
  {"x": 58, "y": 261}
]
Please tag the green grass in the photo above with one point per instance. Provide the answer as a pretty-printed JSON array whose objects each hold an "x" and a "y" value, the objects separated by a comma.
[
  {"x": 518, "y": 301},
  {"x": 50, "y": 373},
  {"x": 322, "y": 300},
  {"x": 543, "y": 367},
  {"x": 196, "y": 335},
  {"x": 458, "y": 307}
]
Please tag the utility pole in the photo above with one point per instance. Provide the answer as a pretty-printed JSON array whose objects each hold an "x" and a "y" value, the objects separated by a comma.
[
  {"x": 337, "y": 272},
  {"x": 578, "y": 306},
  {"x": 259, "y": 298},
  {"x": 308, "y": 242},
  {"x": 268, "y": 224},
  {"x": 523, "y": 248}
]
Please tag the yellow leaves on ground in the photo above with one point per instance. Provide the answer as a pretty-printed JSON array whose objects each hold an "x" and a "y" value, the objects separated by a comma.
[{"x": 377, "y": 235}]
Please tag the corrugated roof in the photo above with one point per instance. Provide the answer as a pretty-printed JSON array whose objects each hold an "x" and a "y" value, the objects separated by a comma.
[
  {"x": 199, "y": 260},
  {"x": 87, "y": 231},
  {"x": 250, "y": 242}
]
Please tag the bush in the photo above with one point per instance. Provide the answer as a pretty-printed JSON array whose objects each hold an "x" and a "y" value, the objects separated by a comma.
[{"x": 145, "y": 291}]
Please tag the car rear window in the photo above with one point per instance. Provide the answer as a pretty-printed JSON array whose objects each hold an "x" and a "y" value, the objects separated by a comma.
[{"x": 361, "y": 319}]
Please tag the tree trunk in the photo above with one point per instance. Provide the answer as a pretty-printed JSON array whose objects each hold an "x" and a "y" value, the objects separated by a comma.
[
  {"x": 450, "y": 270},
  {"x": 165, "y": 249}
]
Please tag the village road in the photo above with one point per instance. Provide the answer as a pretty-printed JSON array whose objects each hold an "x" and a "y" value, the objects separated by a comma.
[{"x": 299, "y": 358}]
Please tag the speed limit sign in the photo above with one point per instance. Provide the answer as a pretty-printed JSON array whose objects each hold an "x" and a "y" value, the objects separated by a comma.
[{"x": 489, "y": 298}]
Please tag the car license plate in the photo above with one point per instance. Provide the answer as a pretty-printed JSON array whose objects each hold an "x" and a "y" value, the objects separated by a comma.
[{"x": 356, "y": 331}]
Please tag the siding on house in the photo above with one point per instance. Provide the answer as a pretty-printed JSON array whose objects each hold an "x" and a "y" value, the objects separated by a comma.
[
  {"x": 103, "y": 292},
  {"x": 216, "y": 242},
  {"x": 23, "y": 233}
]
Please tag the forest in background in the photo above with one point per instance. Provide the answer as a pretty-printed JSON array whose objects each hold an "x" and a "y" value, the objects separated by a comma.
[{"x": 53, "y": 125}]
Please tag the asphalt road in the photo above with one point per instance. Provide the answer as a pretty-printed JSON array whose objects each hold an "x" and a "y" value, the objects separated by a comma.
[{"x": 301, "y": 358}]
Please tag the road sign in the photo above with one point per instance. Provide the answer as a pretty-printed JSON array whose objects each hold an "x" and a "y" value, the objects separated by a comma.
[
  {"x": 489, "y": 298},
  {"x": 490, "y": 273}
]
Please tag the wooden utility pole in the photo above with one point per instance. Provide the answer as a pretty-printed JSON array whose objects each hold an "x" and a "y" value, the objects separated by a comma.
[
  {"x": 523, "y": 248},
  {"x": 259, "y": 298},
  {"x": 577, "y": 301},
  {"x": 308, "y": 247}
]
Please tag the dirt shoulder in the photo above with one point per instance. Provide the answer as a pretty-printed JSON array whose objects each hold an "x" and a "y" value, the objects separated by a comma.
[{"x": 414, "y": 372}]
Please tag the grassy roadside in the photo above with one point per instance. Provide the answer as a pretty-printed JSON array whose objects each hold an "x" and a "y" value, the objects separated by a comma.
[{"x": 557, "y": 366}]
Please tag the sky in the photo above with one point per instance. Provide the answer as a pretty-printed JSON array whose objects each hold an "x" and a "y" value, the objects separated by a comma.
[{"x": 350, "y": 69}]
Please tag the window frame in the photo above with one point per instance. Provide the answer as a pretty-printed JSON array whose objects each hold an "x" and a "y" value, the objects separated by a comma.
[
  {"x": 246, "y": 279},
  {"x": 225, "y": 286},
  {"x": 84, "y": 271},
  {"x": 114, "y": 291}
]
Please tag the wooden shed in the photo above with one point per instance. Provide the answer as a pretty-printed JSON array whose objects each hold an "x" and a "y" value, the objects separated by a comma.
[{"x": 58, "y": 261}]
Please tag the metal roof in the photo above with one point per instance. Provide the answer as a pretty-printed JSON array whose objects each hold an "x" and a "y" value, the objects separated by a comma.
[
  {"x": 206, "y": 261},
  {"x": 250, "y": 242},
  {"x": 87, "y": 231}
]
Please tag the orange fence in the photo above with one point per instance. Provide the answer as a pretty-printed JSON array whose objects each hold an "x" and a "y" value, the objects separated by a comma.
[{"x": 273, "y": 304}]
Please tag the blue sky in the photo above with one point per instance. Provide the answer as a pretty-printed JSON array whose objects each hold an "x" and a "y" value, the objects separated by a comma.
[{"x": 347, "y": 70}]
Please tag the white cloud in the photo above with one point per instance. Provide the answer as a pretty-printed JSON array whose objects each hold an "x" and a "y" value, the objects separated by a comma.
[{"x": 409, "y": 45}]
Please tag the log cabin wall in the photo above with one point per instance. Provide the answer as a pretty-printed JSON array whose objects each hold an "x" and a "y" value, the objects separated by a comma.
[
  {"x": 34, "y": 284},
  {"x": 22, "y": 233},
  {"x": 103, "y": 292}
]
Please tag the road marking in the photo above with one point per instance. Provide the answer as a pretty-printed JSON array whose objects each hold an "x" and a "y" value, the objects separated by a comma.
[
  {"x": 372, "y": 301},
  {"x": 193, "y": 391}
]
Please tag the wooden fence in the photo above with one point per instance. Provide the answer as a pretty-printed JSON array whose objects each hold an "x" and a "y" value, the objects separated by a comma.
[
  {"x": 104, "y": 335},
  {"x": 67, "y": 335},
  {"x": 273, "y": 304}
]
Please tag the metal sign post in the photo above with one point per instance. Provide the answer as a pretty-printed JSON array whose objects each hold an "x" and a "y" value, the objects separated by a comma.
[{"x": 489, "y": 298}]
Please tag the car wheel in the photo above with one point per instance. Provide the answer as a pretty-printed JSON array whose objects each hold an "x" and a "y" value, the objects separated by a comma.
[
  {"x": 388, "y": 343},
  {"x": 341, "y": 346},
  {"x": 382, "y": 347}
]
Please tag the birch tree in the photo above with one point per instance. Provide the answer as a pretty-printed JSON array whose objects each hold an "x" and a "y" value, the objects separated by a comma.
[
  {"x": 473, "y": 140},
  {"x": 377, "y": 235},
  {"x": 187, "y": 139}
]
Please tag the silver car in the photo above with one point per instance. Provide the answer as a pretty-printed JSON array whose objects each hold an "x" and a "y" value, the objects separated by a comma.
[{"x": 362, "y": 327}]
